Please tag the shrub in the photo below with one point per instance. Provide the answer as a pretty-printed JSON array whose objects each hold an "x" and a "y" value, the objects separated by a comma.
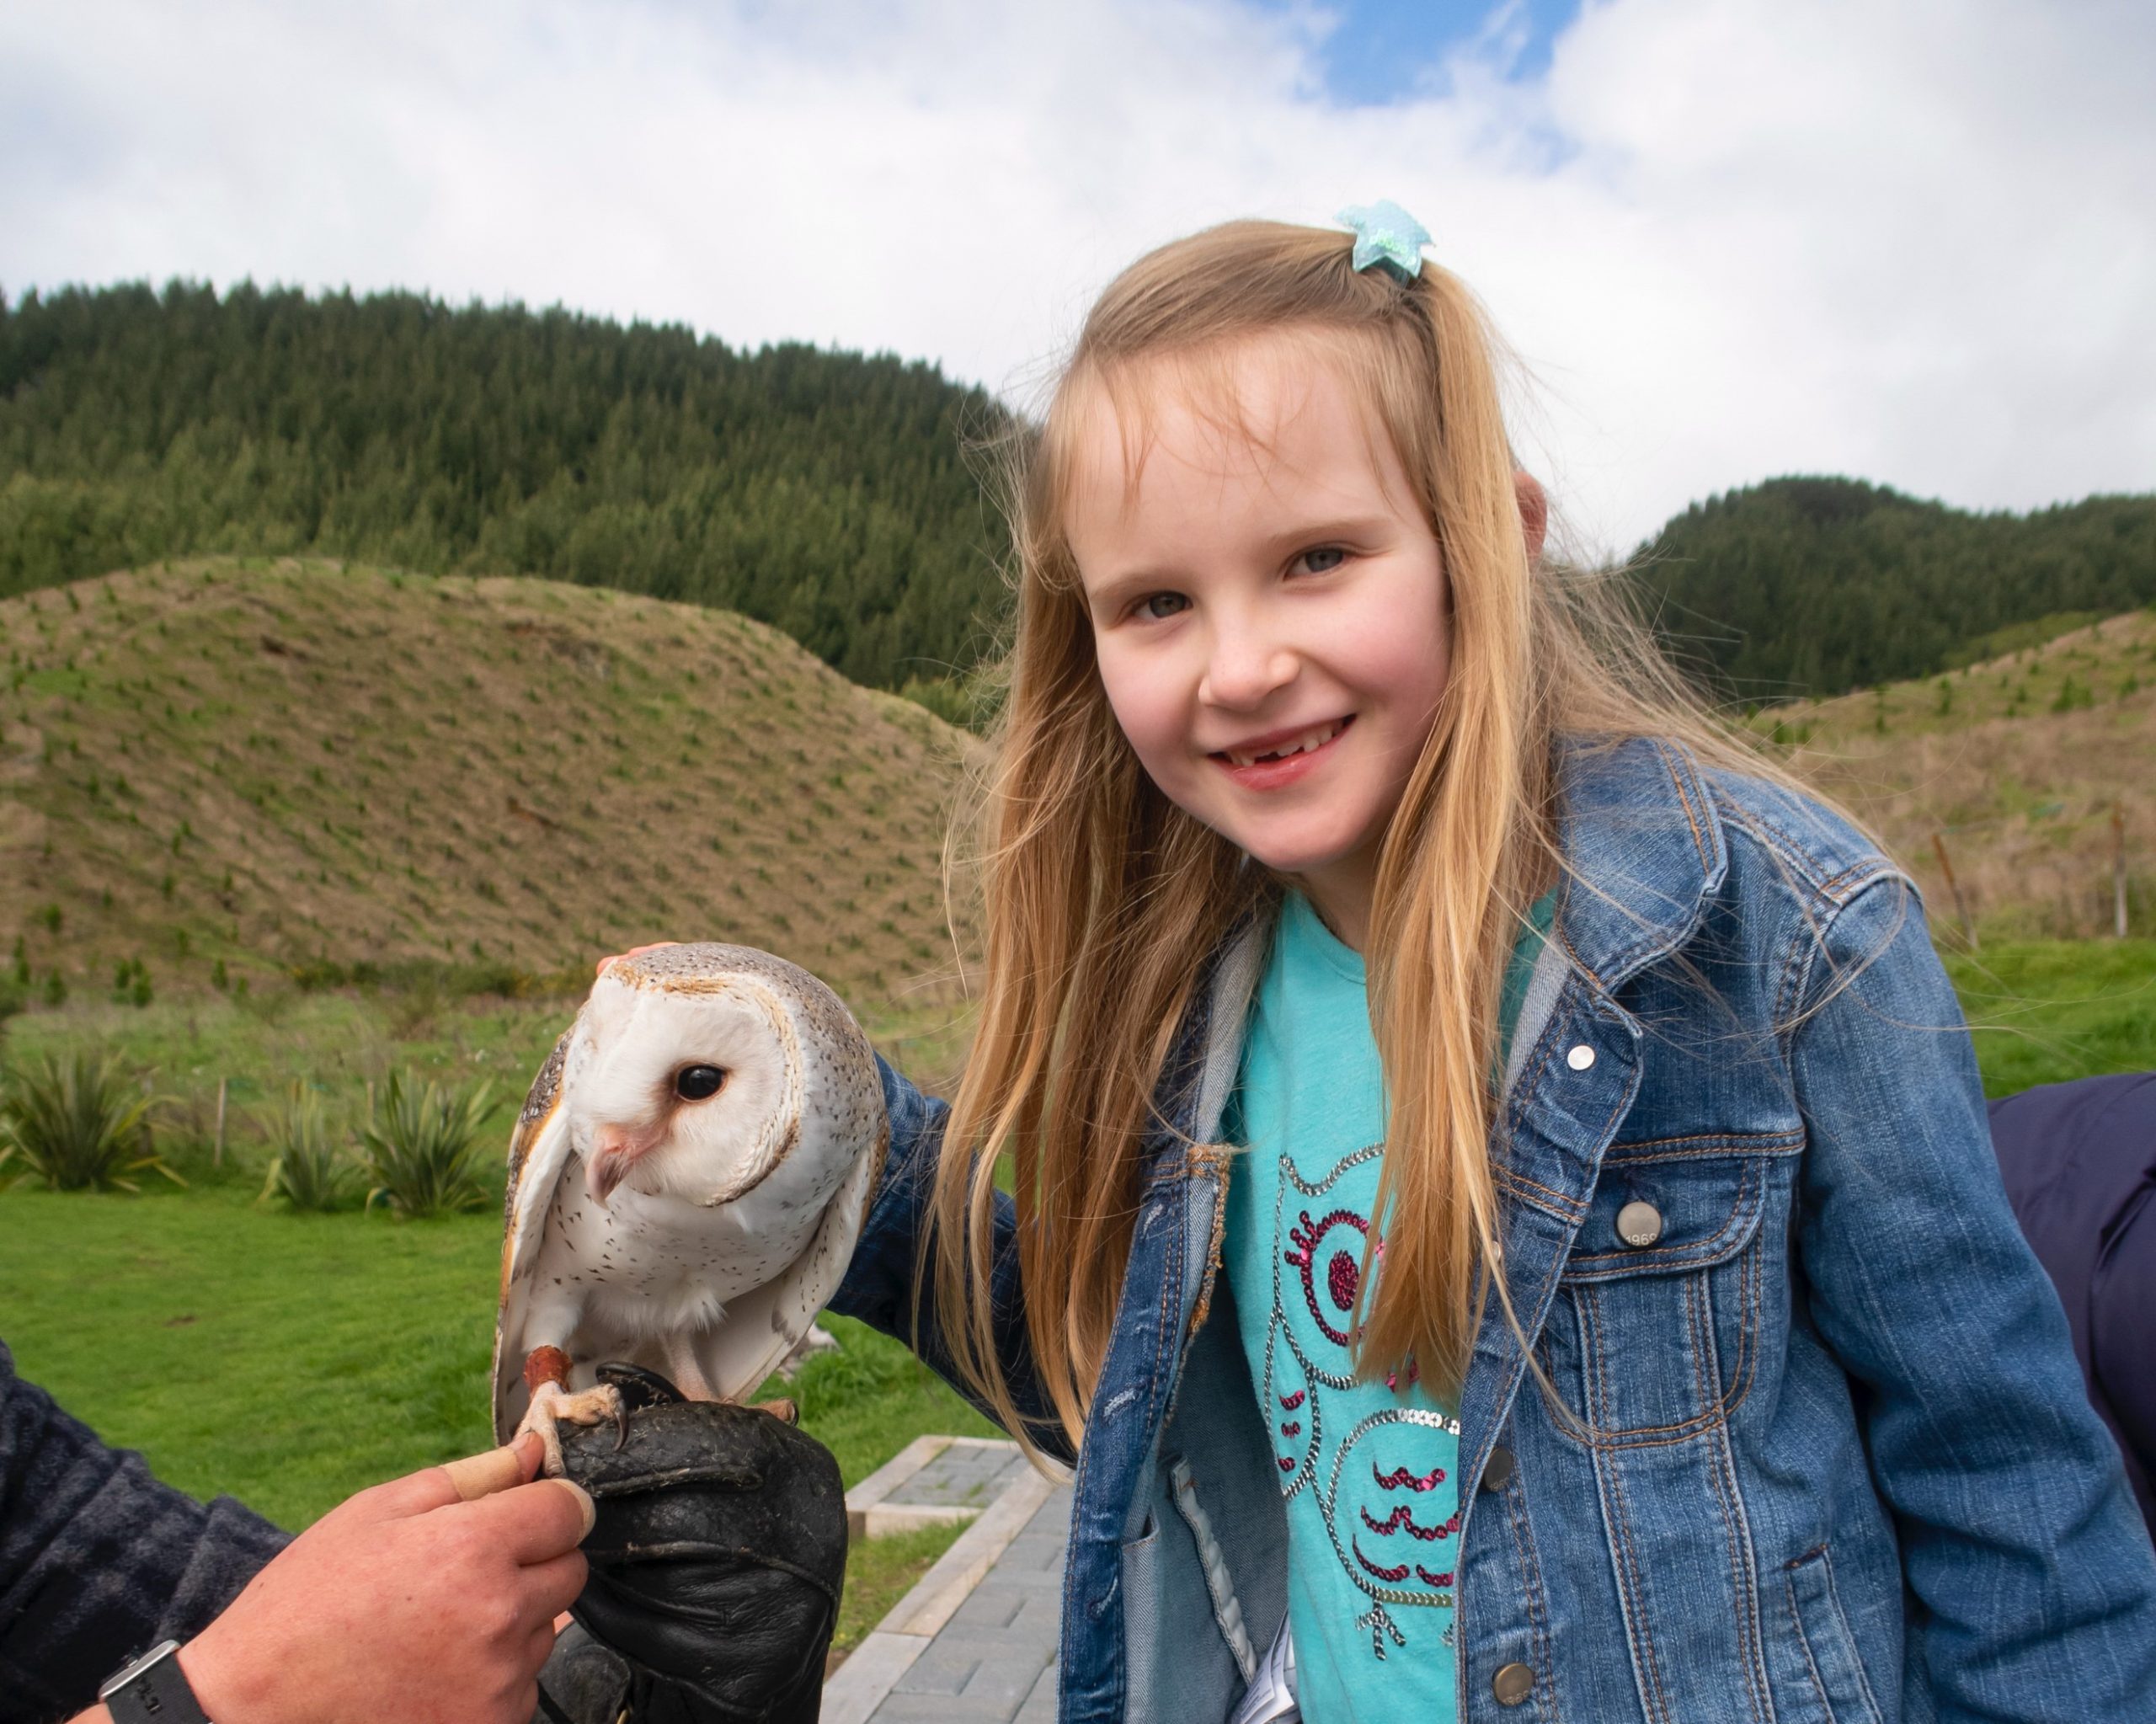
[
  {"x": 420, "y": 1149},
  {"x": 307, "y": 1170},
  {"x": 77, "y": 1124}
]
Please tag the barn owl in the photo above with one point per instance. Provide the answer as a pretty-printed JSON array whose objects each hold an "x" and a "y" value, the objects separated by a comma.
[{"x": 686, "y": 1182}]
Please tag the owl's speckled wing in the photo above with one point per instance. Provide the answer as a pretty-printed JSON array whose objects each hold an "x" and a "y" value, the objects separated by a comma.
[{"x": 538, "y": 1154}]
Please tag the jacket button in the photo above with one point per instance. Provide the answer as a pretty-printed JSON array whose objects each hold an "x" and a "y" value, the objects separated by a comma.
[
  {"x": 1579, "y": 1057},
  {"x": 1497, "y": 1469},
  {"x": 1512, "y": 1683},
  {"x": 1638, "y": 1224}
]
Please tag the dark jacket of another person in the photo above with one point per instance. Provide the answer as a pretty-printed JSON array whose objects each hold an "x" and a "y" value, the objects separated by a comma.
[
  {"x": 98, "y": 1560},
  {"x": 2079, "y": 1163}
]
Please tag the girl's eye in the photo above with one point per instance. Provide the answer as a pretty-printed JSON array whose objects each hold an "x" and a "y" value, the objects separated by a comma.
[
  {"x": 1323, "y": 560},
  {"x": 697, "y": 1083},
  {"x": 1162, "y": 605}
]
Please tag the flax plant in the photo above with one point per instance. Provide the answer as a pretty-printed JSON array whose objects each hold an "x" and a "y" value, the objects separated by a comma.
[
  {"x": 420, "y": 1151},
  {"x": 77, "y": 1124},
  {"x": 309, "y": 1170}
]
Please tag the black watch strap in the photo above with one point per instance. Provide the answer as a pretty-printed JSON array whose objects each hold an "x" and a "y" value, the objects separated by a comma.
[{"x": 153, "y": 1690}]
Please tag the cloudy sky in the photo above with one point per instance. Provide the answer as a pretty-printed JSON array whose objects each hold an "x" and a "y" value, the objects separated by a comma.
[{"x": 1912, "y": 240}]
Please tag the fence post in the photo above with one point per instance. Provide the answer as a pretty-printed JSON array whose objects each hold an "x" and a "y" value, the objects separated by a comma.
[
  {"x": 1954, "y": 890},
  {"x": 217, "y": 1142},
  {"x": 2118, "y": 869}
]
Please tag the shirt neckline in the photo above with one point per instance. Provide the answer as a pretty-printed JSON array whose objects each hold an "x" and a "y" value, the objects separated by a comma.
[{"x": 1301, "y": 921}]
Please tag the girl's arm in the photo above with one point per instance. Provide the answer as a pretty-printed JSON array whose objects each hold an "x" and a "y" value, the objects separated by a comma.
[
  {"x": 880, "y": 1286},
  {"x": 2032, "y": 1582}
]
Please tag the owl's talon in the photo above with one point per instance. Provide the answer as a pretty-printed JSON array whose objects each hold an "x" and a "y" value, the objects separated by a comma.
[
  {"x": 552, "y": 1405},
  {"x": 621, "y": 1427}
]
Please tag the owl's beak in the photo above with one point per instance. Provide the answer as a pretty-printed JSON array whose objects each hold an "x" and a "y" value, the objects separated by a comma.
[{"x": 616, "y": 1149}]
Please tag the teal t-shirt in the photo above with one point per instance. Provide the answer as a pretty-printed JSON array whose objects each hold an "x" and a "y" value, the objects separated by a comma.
[{"x": 1369, "y": 1470}]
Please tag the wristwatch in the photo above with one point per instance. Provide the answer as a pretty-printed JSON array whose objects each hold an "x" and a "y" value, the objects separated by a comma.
[{"x": 153, "y": 1689}]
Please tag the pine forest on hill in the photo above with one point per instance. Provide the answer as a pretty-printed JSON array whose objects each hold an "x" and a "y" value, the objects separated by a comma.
[
  {"x": 829, "y": 494},
  {"x": 826, "y": 493},
  {"x": 217, "y": 771},
  {"x": 1815, "y": 586}
]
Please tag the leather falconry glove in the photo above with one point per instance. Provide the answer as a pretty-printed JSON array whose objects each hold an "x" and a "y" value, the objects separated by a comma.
[{"x": 716, "y": 1566}]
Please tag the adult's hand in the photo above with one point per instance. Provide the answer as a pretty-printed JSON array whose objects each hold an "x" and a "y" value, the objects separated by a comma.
[{"x": 430, "y": 1599}]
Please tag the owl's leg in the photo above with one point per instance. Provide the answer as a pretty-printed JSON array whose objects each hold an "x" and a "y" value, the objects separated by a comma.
[
  {"x": 688, "y": 1375},
  {"x": 689, "y": 1378},
  {"x": 546, "y": 1375}
]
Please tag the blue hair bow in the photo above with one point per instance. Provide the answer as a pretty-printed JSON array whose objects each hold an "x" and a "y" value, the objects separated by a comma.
[{"x": 1387, "y": 237}]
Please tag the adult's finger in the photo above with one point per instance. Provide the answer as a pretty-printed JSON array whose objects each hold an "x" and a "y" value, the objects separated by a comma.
[
  {"x": 477, "y": 1475},
  {"x": 537, "y": 1650},
  {"x": 460, "y": 1480},
  {"x": 538, "y": 1522},
  {"x": 551, "y": 1587}
]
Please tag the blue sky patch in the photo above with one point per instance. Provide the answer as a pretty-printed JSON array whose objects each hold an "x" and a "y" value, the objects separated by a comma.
[{"x": 1381, "y": 52}]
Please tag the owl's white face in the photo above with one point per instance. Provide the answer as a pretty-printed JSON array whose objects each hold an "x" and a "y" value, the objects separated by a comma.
[{"x": 688, "y": 1094}]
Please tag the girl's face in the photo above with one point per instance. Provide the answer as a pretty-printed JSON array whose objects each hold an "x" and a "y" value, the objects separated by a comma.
[{"x": 1269, "y": 611}]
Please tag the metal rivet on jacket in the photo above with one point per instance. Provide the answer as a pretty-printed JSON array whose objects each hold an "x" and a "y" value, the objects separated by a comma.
[
  {"x": 1638, "y": 1224},
  {"x": 1512, "y": 1683}
]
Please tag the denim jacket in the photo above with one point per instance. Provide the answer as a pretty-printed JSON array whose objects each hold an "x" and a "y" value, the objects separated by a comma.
[{"x": 1823, "y": 1455}]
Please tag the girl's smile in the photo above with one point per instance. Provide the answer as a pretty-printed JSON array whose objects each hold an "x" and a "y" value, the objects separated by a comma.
[
  {"x": 1285, "y": 756},
  {"x": 1268, "y": 604}
]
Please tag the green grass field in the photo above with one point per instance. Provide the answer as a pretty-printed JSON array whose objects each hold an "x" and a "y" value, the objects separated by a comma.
[
  {"x": 290, "y": 1359},
  {"x": 2048, "y": 1011}
]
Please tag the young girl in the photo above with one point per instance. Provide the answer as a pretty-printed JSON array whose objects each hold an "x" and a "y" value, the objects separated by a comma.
[{"x": 1503, "y": 1205}]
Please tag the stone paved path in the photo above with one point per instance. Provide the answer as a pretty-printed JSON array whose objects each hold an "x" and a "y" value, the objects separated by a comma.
[
  {"x": 995, "y": 1659},
  {"x": 974, "y": 1641},
  {"x": 964, "y": 1476}
]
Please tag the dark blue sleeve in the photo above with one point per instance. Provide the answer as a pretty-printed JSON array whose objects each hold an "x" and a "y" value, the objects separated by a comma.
[
  {"x": 2079, "y": 1161},
  {"x": 98, "y": 1560},
  {"x": 2122, "y": 1359},
  {"x": 880, "y": 1287},
  {"x": 2032, "y": 1586}
]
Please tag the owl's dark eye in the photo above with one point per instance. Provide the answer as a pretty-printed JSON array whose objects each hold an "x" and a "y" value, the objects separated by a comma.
[{"x": 696, "y": 1083}]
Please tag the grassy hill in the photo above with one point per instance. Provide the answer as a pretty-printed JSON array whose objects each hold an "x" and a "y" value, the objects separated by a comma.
[
  {"x": 2017, "y": 761},
  {"x": 227, "y": 774}
]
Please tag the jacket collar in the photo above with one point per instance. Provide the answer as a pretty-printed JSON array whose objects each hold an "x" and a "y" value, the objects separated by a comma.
[{"x": 1643, "y": 850}]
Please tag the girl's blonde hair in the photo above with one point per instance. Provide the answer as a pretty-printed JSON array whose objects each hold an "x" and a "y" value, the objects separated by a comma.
[{"x": 1103, "y": 900}]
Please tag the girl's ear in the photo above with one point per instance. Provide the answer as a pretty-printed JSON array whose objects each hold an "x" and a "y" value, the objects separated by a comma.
[{"x": 1534, "y": 513}]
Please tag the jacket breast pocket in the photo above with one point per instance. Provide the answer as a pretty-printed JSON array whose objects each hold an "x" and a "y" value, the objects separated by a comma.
[{"x": 1674, "y": 1275}]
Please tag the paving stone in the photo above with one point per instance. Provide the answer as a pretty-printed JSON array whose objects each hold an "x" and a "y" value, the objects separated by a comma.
[
  {"x": 991, "y": 1607},
  {"x": 937, "y": 1671},
  {"x": 1040, "y": 1703},
  {"x": 939, "y": 1709},
  {"x": 1040, "y": 1616},
  {"x": 1034, "y": 1553},
  {"x": 1006, "y": 1677}
]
